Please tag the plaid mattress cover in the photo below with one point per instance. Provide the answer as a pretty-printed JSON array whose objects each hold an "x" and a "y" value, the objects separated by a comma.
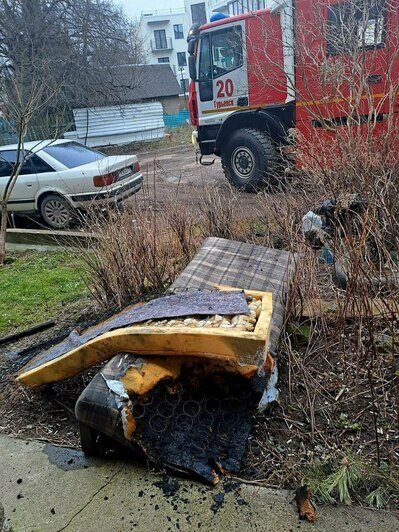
[{"x": 218, "y": 261}]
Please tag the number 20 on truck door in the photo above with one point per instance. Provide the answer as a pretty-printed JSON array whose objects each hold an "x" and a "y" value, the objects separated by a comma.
[{"x": 225, "y": 88}]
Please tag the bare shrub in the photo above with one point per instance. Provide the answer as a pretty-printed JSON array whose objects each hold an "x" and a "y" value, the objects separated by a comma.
[
  {"x": 339, "y": 350},
  {"x": 339, "y": 392},
  {"x": 220, "y": 212},
  {"x": 227, "y": 213},
  {"x": 180, "y": 221},
  {"x": 135, "y": 256}
]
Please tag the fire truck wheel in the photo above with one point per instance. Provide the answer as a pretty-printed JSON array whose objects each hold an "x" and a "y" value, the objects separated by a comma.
[{"x": 250, "y": 160}]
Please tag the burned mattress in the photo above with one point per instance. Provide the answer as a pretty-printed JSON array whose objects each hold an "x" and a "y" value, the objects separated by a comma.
[
  {"x": 198, "y": 424},
  {"x": 241, "y": 339},
  {"x": 192, "y": 302},
  {"x": 195, "y": 416}
]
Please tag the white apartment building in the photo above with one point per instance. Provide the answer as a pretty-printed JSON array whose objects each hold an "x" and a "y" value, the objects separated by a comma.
[
  {"x": 237, "y": 7},
  {"x": 164, "y": 32}
]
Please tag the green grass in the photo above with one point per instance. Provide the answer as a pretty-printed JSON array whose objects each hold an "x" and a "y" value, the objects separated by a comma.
[
  {"x": 351, "y": 479},
  {"x": 35, "y": 286}
]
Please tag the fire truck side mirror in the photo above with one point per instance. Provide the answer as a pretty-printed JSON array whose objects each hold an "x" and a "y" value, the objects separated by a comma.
[
  {"x": 191, "y": 46},
  {"x": 192, "y": 67}
]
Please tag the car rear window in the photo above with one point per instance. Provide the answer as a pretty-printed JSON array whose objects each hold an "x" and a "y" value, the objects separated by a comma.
[{"x": 73, "y": 154}]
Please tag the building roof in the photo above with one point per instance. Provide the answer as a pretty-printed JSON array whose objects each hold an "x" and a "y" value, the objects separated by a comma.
[{"x": 134, "y": 83}]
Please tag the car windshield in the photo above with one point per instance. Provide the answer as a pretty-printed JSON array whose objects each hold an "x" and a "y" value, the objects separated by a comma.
[{"x": 73, "y": 154}]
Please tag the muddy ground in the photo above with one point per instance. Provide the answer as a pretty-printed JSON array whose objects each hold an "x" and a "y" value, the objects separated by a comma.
[
  {"x": 170, "y": 174},
  {"x": 177, "y": 175}
]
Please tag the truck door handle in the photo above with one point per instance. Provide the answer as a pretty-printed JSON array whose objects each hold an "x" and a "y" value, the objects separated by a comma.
[{"x": 242, "y": 102}]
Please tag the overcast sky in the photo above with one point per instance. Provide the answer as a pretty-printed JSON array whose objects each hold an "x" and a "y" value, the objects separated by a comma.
[{"x": 133, "y": 8}]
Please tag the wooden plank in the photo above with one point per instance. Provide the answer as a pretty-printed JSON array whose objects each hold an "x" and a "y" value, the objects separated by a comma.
[
  {"x": 350, "y": 309},
  {"x": 27, "y": 332}
]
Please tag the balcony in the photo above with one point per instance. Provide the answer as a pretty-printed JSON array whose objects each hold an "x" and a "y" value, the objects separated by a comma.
[
  {"x": 162, "y": 12},
  {"x": 161, "y": 16},
  {"x": 163, "y": 46},
  {"x": 219, "y": 5}
]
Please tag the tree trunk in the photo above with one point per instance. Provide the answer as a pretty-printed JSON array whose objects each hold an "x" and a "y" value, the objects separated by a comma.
[
  {"x": 6, "y": 196},
  {"x": 3, "y": 232}
]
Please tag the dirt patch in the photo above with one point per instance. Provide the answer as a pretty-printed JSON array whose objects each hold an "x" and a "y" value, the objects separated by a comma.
[
  {"x": 175, "y": 175},
  {"x": 48, "y": 413}
]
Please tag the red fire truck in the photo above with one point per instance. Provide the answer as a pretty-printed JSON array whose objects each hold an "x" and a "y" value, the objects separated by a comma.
[{"x": 310, "y": 67}]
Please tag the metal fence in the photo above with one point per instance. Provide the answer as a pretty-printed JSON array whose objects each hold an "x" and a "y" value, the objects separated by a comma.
[
  {"x": 176, "y": 120},
  {"x": 52, "y": 128},
  {"x": 7, "y": 133}
]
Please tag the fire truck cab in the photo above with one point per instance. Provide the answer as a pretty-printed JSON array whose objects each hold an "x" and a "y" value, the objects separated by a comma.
[{"x": 250, "y": 85}]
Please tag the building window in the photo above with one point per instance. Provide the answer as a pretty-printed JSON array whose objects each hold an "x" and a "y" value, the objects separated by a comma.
[
  {"x": 354, "y": 25},
  {"x": 163, "y": 59},
  {"x": 198, "y": 13},
  {"x": 238, "y": 7},
  {"x": 178, "y": 29},
  {"x": 181, "y": 59},
  {"x": 160, "y": 39},
  {"x": 184, "y": 84}
]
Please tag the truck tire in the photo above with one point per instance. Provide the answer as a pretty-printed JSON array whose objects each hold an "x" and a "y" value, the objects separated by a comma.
[{"x": 250, "y": 160}]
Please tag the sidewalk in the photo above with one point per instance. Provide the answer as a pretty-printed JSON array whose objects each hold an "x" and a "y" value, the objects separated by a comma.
[{"x": 45, "y": 488}]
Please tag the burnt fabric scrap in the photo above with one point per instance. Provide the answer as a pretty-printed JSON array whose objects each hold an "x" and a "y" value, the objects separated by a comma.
[
  {"x": 225, "y": 262},
  {"x": 187, "y": 303}
]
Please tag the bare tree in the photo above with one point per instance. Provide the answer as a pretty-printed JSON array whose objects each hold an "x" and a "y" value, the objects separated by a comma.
[
  {"x": 83, "y": 40},
  {"x": 102, "y": 38},
  {"x": 22, "y": 104},
  {"x": 56, "y": 55}
]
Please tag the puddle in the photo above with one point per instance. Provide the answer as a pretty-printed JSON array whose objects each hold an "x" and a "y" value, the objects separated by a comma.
[{"x": 67, "y": 459}]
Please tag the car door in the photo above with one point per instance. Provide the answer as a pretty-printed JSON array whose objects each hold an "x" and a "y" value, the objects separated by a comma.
[
  {"x": 222, "y": 73},
  {"x": 26, "y": 186}
]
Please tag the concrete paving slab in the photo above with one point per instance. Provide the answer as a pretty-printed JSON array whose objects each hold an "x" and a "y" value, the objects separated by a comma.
[{"x": 45, "y": 489}]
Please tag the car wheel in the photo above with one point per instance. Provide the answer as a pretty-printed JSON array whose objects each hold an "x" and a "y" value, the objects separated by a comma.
[
  {"x": 250, "y": 160},
  {"x": 56, "y": 211}
]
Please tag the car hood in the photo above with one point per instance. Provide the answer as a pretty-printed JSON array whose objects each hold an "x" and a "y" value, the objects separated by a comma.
[{"x": 109, "y": 164}]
